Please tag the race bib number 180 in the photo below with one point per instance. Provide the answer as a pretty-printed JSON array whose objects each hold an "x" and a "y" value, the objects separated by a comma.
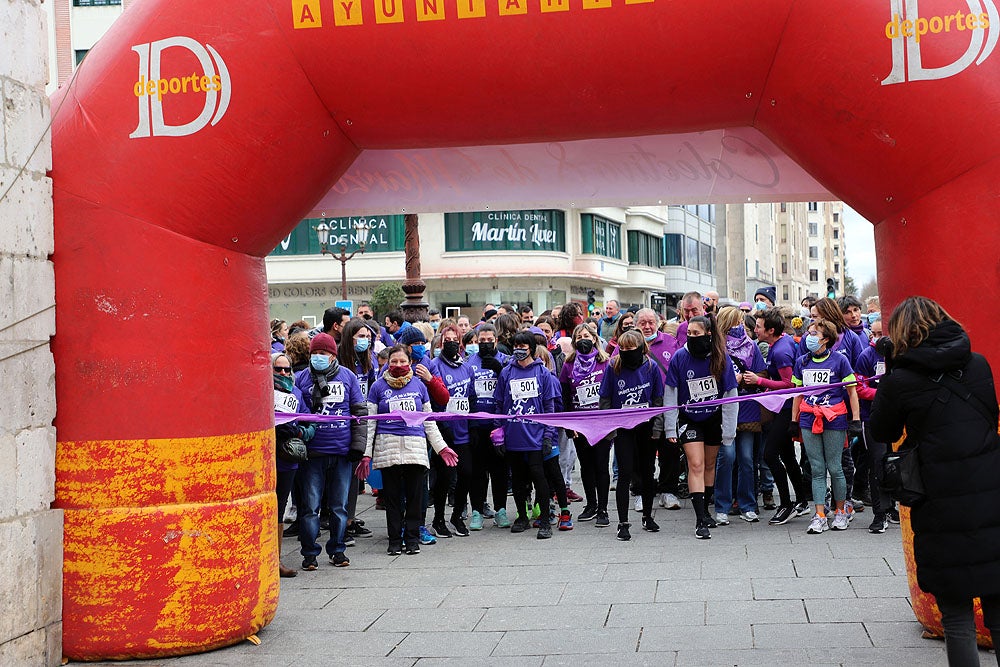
[{"x": 285, "y": 402}]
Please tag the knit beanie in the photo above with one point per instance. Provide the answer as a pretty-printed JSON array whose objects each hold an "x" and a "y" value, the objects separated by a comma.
[{"x": 323, "y": 342}]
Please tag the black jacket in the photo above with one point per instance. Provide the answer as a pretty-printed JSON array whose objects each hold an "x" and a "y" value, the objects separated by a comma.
[{"x": 956, "y": 540}]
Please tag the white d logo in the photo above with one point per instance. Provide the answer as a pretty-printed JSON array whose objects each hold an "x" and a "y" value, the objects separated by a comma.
[{"x": 150, "y": 88}]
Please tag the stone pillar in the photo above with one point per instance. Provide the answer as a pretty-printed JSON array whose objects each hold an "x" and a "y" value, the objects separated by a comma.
[
  {"x": 30, "y": 532},
  {"x": 414, "y": 307}
]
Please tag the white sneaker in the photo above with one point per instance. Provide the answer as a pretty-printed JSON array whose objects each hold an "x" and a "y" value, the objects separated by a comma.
[
  {"x": 670, "y": 501},
  {"x": 840, "y": 521},
  {"x": 818, "y": 525},
  {"x": 638, "y": 503},
  {"x": 750, "y": 517},
  {"x": 722, "y": 518}
]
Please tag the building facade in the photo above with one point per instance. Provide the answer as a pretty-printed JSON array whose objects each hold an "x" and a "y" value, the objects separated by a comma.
[
  {"x": 827, "y": 247},
  {"x": 75, "y": 26},
  {"x": 646, "y": 256}
]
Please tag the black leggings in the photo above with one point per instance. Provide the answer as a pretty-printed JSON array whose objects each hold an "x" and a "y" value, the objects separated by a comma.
[
  {"x": 636, "y": 453},
  {"x": 594, "y": 470},
  {"x": 779, "y": 455},
  {"x": 488, "y": 467},
  {"x": 557, "y": 485},
  {"x": 526, "y": 468},
  {"x": 440, "y": 481},
  {"x": 463, "y": 478}
]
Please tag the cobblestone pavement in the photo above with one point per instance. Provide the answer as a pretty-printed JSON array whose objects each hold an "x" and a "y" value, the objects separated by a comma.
[{"x": 752, "y": 595}]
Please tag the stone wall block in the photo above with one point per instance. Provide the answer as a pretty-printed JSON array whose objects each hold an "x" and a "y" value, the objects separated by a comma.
[
  {"x": 26, "y": 214},
  {"x": 49, "y": 543},
  {"x": 29, "y": 389},
  {"x": 19, "y": 583},
  {"x": 23, "y": 23},
  {"x": 25, "y": 119},
  {"x": 36, "y": 462}
]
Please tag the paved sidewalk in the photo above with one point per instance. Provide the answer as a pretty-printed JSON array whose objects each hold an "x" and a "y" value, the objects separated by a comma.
[{"x": 752, "y": 595}]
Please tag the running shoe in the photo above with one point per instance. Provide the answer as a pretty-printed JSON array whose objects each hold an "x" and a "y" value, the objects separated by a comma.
[
  {"x": 358, "y": 530},
  {"x": 782, "y": 516},
  {"x": 649, "y": 525},
  {"x": 340, "y": 560},
  {"x": 565, "y": 521},
  {"x": 702, "y": 532},
  {"x": 850, "y": 509},
  {"x": 589, "y": 513},
  {"x": 818, "y": 525},
  {"x": 769, "y": 501},
  {"x": 460, "y": 528},
  {"x": 892, "y": 515},
  {"x": 840, "y": 521},
  {"x": 638, "y": 503},
  {"x": 441, "y": 530},
  {"x": 750, "y": 517},
  {"x": 488, "y": 512},
  {"x": 573, "y": 496},
  {"x": 544, "y": 533},
  {"x": 520, "y": 524},
  {"x": 413, "y": 549},
  {"x": 801, "y": 508},
  {"x": 500, "y": 519},
  {"x": 858, "y": 504},
  {"x": 623, "y": 533},
  {"x": 709, "y": 521},
  {"x": 309, "y": 563},
  {"x": 476, "y": 523},
  {"x": 722, "y": 518},
  {"x": 426, "y": 537},
  {"x": 394, "y": 551},
  {"x": 669, "y": 501},
  {"x": 603, "y": 521},
  {"x": 879, "y": 524},
  {"x": 349, "y": 540}
]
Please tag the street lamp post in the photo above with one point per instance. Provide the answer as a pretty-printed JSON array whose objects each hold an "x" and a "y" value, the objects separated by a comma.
[{"x": 323, "y": 234}]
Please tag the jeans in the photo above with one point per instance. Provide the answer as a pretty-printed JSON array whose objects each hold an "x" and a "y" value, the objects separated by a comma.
[
  {"x": 402, "y": 488},
  {"x": 594, "y": 471},
  {"x": 742, "y": 452},
  {"x": 825, "y": 451},
  {"x": 959, "y": 625},
  {"x": 332, "y": 474}
]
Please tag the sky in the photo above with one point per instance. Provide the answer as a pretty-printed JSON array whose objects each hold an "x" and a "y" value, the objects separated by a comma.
[{"x": 859, "y": 239}]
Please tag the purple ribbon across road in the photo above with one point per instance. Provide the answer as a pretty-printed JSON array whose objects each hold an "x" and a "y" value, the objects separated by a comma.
[{"x": 592, "y": 424}]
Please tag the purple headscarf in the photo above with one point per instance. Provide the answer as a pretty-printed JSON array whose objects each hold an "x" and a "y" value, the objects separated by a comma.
[
  {"x": 739, "y": 345},
  {"x": 583, "y": 365}
]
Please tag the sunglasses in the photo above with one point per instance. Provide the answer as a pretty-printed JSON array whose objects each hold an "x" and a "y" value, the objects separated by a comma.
[{"x": 283, "y": 370}]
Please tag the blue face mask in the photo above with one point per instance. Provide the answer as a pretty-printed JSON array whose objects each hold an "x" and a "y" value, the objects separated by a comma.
[
  {"x": 873, "y": 317},
  {"x": 437, "y": 352},
  {"x": 361, "y": 344},
  {"x": 813, "y": 344},
  {"x": 320, "y": 362},
  {"x": 418, "y": 351},
  {"x": 650, "y": 339},
  {"x": 435, "y": 325},
  {"x": 471, "y": 349},
  {"x": 760, "y": 305}
]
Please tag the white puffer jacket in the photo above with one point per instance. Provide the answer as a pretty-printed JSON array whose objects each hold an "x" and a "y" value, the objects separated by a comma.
[{"x": 388, "y": 449}]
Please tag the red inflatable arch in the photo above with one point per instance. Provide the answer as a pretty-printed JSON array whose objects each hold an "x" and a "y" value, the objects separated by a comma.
[{"x": 197, "y": 133}]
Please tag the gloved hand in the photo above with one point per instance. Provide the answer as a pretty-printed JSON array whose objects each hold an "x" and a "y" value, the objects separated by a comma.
[
  {"x": 854, "y": 428},
  {"x": 364, "y": 468},
  {"x": 794, "y": 432},
  {"x": 884, "y": 347},
  {"x": 546, "y": 448},
  {"x": 493, "y": 364},
  {"x": 307, "y": 432},
  {"x": 449, "y": 457}
]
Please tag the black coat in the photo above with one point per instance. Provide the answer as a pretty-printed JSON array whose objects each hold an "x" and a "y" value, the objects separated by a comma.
[{"x": 956, "y": 540}]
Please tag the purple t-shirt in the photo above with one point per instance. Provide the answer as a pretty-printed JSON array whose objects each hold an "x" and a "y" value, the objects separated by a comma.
[
  {"x": 585, "y": 391},
  {"x": 632, "y": 389},
  {"x": 460, "y": 382},
  {"x": 693, "y": 379},
  {"x": 343, "y": 392},
  {"x": 410, "y": 398},
  {"x": 832, "y": 368},
  {"x": 870, "y": 364},
  {"x": 750, "y": 410},
  {"x": 485, "y": 384},
  {"x": 529, "y": 390},
  {"x": 781, "y": 354}
]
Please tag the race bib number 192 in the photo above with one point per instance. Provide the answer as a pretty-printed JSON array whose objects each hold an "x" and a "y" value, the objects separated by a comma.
[{"x": 815, "y": 377}]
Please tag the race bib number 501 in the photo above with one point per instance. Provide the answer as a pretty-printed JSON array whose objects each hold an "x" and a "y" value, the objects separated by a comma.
[{"x": 524, "y": 388}]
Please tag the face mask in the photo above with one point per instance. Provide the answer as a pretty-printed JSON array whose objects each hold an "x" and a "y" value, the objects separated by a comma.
[
  {"x": 361, "y": 344},
  {"x": 521, "y": 354},
  {"x": 284, "y": 381},
  {"x": 631, "y": 358},
  {"x": 366, "y": 316},
  {"x": 472, "y": 348},
  {"x": 418, "y": 351},
  {"x": 435, "y": 325},
  {"x": 651, "y": 338},
  {"x": 736, "y": 332},
  {"x": 700, "y": 346},
  {"x": 320, "y": 362},
  {"x": 873, "y": 317},
  {"x": 760, "y": 305},
  {"x": 813, "y": 344},
  {"x": 450, "y": 349},
  {"x": 398, "y": 371},
  {"x": 584, "y": 346},
  {"x": 578, "y": 320},
  {"x": 487, "y": 349}
]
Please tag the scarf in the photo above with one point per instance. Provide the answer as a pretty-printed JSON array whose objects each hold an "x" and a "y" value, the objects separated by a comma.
[
  {"x": 454, "y": 364},
  {"x": 859, "y": 329},
  {"x": 739, "y": 345},
  {"x": 400, "y": 382},
  {"x": 583, "y": 365},
  {"x": 320, "y": 381}
]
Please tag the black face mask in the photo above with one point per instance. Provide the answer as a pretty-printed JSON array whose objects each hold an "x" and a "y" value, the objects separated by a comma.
[
  {"x": 487, "y": 349},
  {"x": 631, "y": 359},
  {"x": 367, "y": 316},
  {"x": 584, "y": 346},
  {"x": 450, "y": 349},
  {"x": 700, "y": 346}
]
